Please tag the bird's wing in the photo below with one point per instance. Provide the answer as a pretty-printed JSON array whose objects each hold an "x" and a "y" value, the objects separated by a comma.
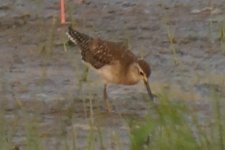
[
  {"x": 99, "y": 52},
  {"x": 107, "y": 52}
]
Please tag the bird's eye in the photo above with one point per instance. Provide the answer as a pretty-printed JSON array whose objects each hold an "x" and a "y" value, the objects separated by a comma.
[{"x": 141, "y": 73}]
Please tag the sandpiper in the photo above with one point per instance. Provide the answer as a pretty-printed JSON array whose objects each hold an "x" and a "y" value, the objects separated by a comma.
[{"x": 113, "y": 61}]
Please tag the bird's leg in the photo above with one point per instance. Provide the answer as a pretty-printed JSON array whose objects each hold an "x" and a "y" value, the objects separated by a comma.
[{"x": 107, "y": 104}]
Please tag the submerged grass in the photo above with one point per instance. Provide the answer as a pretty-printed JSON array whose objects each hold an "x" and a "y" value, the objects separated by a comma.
[
  {"x": 172, "y": 41},
  {"x": 167, "y": 125},
  {"x": 176, "y": 126},
  {"x": 222, "y": 37},
  {"x": 219, "y": 123}
]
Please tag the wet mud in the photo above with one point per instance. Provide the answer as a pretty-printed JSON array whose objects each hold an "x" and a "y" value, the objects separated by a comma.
[{"x": 43, "y": 82}]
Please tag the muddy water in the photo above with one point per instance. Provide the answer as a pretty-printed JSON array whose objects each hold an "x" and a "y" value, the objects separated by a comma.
[{"x": 41, "y": 82}]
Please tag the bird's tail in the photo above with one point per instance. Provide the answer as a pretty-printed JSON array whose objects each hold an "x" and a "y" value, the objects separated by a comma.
[{"x": 77, "y": 37}]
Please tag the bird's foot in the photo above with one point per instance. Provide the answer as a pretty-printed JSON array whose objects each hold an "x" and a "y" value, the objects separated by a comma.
[
  {"x": 109, "y": 108},
  {"x": 154, "y": 98}
]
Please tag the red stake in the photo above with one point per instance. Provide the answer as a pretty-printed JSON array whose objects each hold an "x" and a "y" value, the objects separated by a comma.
[{"x": 62, "y": 11}]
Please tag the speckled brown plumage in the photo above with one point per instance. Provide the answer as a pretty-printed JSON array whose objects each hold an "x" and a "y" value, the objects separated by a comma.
[
  {"x": 112, "y": 60},
  {"x": 99, "y": 52}
]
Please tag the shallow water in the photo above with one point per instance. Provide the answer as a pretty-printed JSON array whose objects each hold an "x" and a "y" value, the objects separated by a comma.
[{"x": 42, "y": 82}]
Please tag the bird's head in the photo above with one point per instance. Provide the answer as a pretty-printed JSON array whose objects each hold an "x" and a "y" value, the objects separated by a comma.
[{"x": 142, "y": 71}]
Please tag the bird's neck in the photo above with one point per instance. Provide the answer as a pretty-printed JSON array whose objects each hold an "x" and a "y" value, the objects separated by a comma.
[{"x": 130, "y": 77}]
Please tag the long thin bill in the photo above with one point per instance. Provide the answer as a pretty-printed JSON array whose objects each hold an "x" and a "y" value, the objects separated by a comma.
[{"x": 149, "y": 89}]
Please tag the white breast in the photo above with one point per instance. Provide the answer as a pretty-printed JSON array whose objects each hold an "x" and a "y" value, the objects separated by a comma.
[
  {"x": 108, "y": 74},
  {"x": 113, "y": 74}
]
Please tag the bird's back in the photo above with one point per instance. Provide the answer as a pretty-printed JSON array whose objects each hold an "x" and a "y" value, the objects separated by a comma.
[{"x": 99, "y": 52}]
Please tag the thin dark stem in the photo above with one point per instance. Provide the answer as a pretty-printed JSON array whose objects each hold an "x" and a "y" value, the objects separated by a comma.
[
  {"x": 108, "y": 107},
  {"x": 105, "y": 92}
]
